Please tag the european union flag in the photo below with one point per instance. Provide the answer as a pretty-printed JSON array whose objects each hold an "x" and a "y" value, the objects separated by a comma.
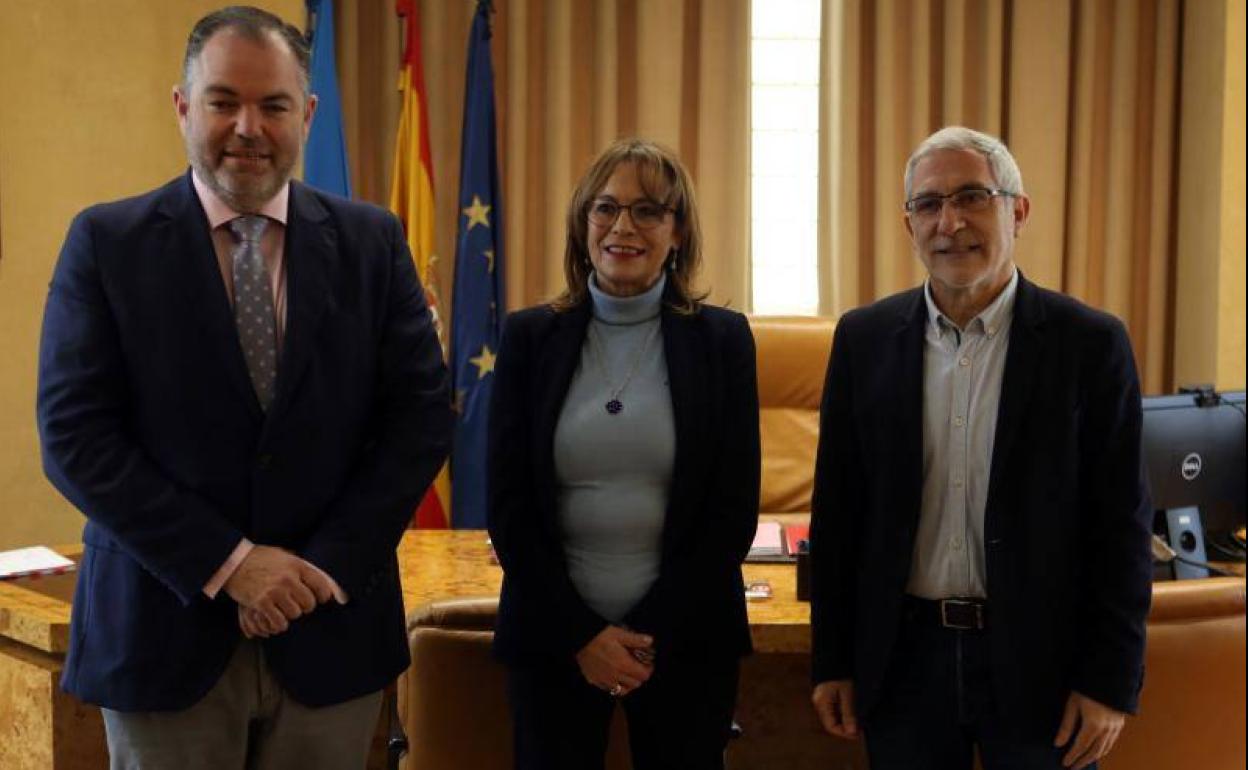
[
  {"x": 477, "y": 310},
  {"x": 325, "y": 157}
]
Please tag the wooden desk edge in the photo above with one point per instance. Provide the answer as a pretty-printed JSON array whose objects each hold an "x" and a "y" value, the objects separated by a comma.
[{"x": 34, "y": 619}]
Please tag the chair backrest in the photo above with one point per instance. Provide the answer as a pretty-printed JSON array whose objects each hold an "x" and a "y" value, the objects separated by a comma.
[
  {"x": 792, "y": 360},
  {"x": 453, "y": 699},
  {"x": 1192, "y": 708}
]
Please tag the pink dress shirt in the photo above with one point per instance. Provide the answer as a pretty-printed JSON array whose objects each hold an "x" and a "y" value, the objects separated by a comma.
[{"x": 272, "y": 246}]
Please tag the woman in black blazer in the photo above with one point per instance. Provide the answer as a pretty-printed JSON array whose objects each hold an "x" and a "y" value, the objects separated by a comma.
[{"x": 624, "y": 476}]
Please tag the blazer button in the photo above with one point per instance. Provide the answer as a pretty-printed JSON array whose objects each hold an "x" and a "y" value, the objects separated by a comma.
[{"x": 264, "y": 461}]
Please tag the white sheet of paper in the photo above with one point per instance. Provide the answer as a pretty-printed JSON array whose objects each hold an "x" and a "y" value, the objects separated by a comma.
[
  {"x": 27, "y": 561},
  {"x": 768, "y": 539}
]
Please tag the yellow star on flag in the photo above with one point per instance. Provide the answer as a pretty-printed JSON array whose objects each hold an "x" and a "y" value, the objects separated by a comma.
[
  {"x": 489, "y": 258},
  {"x": 484, "y": 362},
  {"x": 477, "y": 213}
]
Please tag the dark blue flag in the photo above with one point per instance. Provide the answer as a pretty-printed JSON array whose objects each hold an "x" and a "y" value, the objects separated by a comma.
[
  {"x": 477, "y": 308},
  {"x": 325, "y": 157}
]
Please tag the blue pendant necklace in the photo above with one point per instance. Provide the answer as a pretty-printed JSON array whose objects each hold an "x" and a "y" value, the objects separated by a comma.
[{"x": 614, "y": 405}]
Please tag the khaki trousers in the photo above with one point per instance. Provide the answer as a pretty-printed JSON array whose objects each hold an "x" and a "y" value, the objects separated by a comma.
[{"x": 245, "y": 722}]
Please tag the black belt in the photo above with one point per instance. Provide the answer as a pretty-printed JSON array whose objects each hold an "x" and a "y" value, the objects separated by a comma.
[{"x": 966, "y": 614}]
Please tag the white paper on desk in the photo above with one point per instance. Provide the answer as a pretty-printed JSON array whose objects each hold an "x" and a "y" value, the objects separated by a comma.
[
  {"x": 36, "y": 560},
  {"x": 768, "y": 540}
]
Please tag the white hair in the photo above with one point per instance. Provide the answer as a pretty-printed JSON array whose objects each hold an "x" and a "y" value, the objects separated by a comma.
[{"x": 1001, "y": 163}]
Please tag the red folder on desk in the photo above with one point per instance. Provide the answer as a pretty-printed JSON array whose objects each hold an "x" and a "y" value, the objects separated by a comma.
[
  {"x": 793, "y": 533},
  {"x": 776, "y": 542}
]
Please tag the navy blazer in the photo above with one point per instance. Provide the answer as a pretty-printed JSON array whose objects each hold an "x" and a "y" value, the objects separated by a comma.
[
  {"x": 150, "y": 426},
  {"x": 697, "y": 605},
  {"x": 1067, "y": 522}
]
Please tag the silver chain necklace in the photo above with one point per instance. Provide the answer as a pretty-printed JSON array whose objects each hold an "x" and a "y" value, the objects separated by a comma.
[{"x": 596, "y": 348}]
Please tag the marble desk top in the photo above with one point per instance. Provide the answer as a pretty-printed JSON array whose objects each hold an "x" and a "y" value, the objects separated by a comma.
[
  {"x": 457, "y": 564},
  {"x": 433, "y": 565}
]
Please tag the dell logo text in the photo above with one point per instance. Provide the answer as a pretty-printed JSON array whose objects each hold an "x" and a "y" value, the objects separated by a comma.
[{"x": 1191, "y": 466}]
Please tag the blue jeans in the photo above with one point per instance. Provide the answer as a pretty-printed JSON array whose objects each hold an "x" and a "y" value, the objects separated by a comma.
[{"x": 938, "y": 706}]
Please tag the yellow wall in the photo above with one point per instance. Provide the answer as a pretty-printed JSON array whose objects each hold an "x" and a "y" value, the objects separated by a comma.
[
  {"x": 1231, "y": 257},
  {"x": 86, "y": 115},
  {"x": 1209, "y": 285}
]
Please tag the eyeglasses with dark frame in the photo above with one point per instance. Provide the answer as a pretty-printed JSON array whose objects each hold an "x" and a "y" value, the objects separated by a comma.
[
  {"x": 646, "y": 214},
  {"x": 966, "y": 200}
]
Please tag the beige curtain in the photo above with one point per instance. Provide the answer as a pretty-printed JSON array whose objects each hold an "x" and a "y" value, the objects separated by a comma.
[
  {"x": 570, "y": 76},
  {"x": 1085, "y": 94}
]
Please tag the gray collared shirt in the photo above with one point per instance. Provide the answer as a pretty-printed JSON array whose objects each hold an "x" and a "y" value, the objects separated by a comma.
[{"x": 962, "y": 374}]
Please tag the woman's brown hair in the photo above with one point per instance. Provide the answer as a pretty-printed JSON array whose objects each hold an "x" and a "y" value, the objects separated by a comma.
[{"x": 664, "y": 180}]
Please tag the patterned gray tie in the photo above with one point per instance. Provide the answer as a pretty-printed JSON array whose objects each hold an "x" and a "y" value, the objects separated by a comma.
[{"x": 253, "y": 307}]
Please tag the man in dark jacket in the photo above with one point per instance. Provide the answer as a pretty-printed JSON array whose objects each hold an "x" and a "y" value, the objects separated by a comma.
[
  {"x": 241, "y": 388},
  {"x": 980, "y": 526}
]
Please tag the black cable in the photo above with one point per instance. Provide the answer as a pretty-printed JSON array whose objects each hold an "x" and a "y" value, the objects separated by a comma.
[
  {"x": 1206, "y": 565},
  {"x": 1206, "y": 396},
  {"x": 1232, "y": 550},
  {"x": 1222, "y": 402}
]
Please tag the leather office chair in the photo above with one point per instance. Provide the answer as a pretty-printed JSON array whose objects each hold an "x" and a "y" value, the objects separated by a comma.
[
  {"x": 792, "y": 358},
  {"x": 453, "y": 700},
  {"x": 1192, "y": 708},
  {"x": 779, "y": 728}
]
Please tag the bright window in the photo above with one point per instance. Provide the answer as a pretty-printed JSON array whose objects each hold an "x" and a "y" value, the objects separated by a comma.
[{"x": 784, "y": 165}]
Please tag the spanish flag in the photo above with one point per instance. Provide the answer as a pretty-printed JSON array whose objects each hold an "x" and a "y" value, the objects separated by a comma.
[{"x": 411, "y": 198}]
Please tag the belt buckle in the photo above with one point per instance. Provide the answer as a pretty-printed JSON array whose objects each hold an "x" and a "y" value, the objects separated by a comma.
[{"x": 961, "y": 624}]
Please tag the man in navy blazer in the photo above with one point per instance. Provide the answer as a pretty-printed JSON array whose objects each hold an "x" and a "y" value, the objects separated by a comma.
[
  {"x": 238, "y": 598},
  {"x": 980, "y": 524}
]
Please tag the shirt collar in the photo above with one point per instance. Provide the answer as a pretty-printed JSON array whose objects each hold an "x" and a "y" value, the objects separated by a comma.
[
  {"x": 219, "y": 212},
  {"x": 623, "y": 311},
  {"x": 993, "y": 318}
]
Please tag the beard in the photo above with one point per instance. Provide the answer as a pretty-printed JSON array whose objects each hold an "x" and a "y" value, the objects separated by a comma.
[{"x": 243, "y": 191}]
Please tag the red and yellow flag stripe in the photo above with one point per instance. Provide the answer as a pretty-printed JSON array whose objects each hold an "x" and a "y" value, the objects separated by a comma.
[{"x": 411, "y": 198}]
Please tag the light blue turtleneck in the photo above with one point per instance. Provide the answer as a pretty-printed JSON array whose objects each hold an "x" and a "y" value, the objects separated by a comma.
[{"x": 613, "y": 470}]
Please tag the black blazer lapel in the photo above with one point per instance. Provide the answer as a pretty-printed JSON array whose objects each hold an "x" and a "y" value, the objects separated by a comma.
[
  {"x": 1017, "y": 384},
  {"x": 556, "y": 363},
  {"x": 311, "y": 252},
  {"x": 905, "y": 402},
  {"x": 192, "y": 266},
  {"x": 688, "y": 373}
]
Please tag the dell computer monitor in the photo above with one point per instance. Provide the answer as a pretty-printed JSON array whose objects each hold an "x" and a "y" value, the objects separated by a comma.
[{"x": 1194, "y": 455}]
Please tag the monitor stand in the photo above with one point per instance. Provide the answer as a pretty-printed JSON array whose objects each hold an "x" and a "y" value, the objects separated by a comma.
[{"x": 1187, "y": 538}]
